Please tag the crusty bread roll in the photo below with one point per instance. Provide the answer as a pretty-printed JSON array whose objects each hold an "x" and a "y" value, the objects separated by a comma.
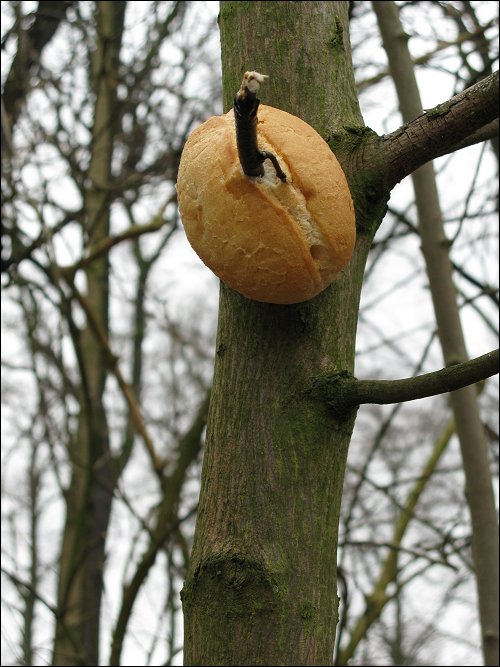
[{"x": 271, "y": 241}]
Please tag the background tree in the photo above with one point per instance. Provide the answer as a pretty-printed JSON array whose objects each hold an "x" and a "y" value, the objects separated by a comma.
[
  {"x": 445, "y": 540},
  {"x": 94, "y": 122},
  {"x": 144, "y": 355}
]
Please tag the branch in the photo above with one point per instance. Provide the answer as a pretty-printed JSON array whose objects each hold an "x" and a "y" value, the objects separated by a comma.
[
  {"x": 69, "y": 632},
  {"x": 396, "y": 547},
  {"x": 343, "y": 392},
  {"x": 424, "y": 58},
  {"x": 128, "y": 394},
  {"x": 246, "y": 105},
  {"x": 31, "y": 42},
  {"x": 166, "y": 523},
  {"x": 376, "y": 601},
  {"x": 103, "y": 246},
  {"x": 434, "y": 133},
  {"x": 484, "y": 133}
]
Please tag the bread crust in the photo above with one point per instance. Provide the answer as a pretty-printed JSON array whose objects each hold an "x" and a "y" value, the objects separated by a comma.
[{"x": 271, "y": 241}]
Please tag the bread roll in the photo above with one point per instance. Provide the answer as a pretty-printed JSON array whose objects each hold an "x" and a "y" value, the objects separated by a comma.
[{"x": 271, "y": 241}]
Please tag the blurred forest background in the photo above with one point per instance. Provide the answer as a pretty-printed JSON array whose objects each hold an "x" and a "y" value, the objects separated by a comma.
[{"x": 108, "y": 332}]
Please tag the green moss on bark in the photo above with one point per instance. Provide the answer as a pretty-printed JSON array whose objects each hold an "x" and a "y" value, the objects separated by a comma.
[{"x": 262, "y": 583}]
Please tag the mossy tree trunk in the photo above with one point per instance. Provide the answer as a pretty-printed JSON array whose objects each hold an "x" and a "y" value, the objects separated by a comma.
[{"x": 262, "y": 582}]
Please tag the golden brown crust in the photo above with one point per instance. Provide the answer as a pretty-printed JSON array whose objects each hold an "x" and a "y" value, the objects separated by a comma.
[{"x": 271, "y": 241}]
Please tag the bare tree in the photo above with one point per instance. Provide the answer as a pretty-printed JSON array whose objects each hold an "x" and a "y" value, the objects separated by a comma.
[{"x": 105, "y": 116}]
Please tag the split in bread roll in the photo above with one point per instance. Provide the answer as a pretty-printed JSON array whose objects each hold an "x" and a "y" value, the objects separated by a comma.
[{"x": 272, "y": 240}]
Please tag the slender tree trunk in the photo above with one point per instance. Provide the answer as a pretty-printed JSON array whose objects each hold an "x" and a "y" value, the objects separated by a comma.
[
  {"x": 89, "y": 498},
  {"x": 261, "y": 588},
  {"x": 30, "y": 597},
  {"x": 464, "y": 402}
]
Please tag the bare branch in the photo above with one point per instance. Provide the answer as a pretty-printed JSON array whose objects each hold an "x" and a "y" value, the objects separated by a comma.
[
  {"x": 426, "y": 57},
  {"x": 434, "y": 133},
  {"x": 166, "y": 523},
  {"x": 485, "y": 133},
  {"x": 343, "y": 392},
  {"x": 28, "y": 586},
  {"x": 112, "y": 363},
  {"x": 31, "y": 42},
  {"x": 104, "y": 246}
]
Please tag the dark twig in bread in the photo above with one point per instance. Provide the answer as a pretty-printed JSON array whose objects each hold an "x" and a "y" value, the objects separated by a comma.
[{"x": 246, "y": 104}]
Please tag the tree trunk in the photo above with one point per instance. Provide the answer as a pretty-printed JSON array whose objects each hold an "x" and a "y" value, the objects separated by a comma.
[
  {"x": 261, "y": 588},
  {"x": 88, "y": 501}
]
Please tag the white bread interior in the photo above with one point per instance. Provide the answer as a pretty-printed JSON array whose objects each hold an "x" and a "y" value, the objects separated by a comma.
[{"x": 271, "y": 241}]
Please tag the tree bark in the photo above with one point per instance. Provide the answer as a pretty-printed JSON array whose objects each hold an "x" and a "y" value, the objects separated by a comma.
[
  {"x": 261, "y": 587},
  {"x": 479, "y": 491}
]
